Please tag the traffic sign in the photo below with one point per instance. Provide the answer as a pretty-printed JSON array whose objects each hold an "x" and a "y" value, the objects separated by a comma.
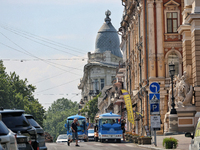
[
  {"x": 155, "y": 122},
  {"x": 154, "y": 108},
  {"x": 154, "y": 87},
  {"x": 154, "y": 95}
]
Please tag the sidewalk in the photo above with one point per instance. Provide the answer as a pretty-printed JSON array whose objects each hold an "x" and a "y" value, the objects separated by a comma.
[{"x": 183, "y": 142}]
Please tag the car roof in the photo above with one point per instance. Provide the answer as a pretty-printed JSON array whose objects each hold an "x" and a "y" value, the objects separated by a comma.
[
  {"x": 11, "y": 111},
  {"x": 62, "y": 134}
]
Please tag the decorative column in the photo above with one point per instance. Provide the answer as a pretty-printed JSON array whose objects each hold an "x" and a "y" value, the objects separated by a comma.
[
  {"x": 151, "y": 39},
  {"x": 185, "y": 31},
  {"x": 194, "y": 20},
  {"x": 159, "y": 26}
]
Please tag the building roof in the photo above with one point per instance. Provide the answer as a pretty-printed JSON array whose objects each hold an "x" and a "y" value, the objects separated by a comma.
[{"x": 107, "y": 38}]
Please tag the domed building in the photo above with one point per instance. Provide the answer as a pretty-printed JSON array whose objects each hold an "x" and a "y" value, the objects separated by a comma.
[{"x": 100, "y": 70}]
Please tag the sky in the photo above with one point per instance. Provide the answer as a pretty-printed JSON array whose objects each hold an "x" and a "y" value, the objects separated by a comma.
[{"x": 47, "y": 41}]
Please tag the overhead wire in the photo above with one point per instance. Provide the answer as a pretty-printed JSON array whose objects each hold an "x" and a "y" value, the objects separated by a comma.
[
  {"x": 50, "y": 59},
  {"x": 18, "y": 32},
  {"x": 45, "y": 44},
  {"x": 50, "y": 77},
  {"x": 28, "y": 53},
  {"x": 58, "y": 86}
]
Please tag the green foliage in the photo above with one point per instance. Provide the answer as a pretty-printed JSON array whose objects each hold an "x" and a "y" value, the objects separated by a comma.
[
  {"x": 170, "y": 143},
  {"x": 17, "y": 93},
  {"x": 56, "y": 116},
  {"x": 91, "y": 107}
]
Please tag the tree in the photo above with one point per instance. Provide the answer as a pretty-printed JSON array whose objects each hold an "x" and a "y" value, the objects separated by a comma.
[
  {"x": 57, "y": 114},
  {"x": 91, "y": 107},
  {"x": 17, "y": 93}
]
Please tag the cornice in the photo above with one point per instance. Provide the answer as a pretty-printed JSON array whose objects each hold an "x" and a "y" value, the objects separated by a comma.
[
  {"x": 183, "y": 28},
  {"x": 192, "y": 17}
]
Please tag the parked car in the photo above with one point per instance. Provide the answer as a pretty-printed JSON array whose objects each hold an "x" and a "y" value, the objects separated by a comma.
[
  {"x": 62, "y": 138},
  {"x": 195, "y": 141},
  {"x": 1, "y": 148},
  {"x": 8, "y": 140},
  {"x": 17, "y": 122},
  {"x": 90, "y": 134},
  {"x": 23, "y": 142},
  {"x": 40, "y": 131}
]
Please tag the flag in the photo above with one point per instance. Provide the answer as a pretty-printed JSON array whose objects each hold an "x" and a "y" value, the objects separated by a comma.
[
  {"x": 129, "y": 108},
  {"x": 138, "y": 113}
]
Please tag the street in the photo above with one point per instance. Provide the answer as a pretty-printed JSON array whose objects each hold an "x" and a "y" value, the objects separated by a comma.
[{"x": 94, "y": 145}]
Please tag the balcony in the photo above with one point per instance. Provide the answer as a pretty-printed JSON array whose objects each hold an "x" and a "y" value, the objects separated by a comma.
[{"x": 94, "y": 92}]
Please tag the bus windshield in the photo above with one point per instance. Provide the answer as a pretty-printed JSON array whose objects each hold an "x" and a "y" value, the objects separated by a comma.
[
  {"x": 79, "y": 128},
  {"x": 109, "y": 121}
]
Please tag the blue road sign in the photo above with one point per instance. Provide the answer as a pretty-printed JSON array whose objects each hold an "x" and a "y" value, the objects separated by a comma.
[
  {"x": 154, "y": 87},
  {"x": 155, "y": 109},
  {"x": 151, "y": 95}
]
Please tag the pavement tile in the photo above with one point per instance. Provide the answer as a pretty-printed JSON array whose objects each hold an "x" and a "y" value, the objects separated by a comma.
[{"x": 183, "y": 142}]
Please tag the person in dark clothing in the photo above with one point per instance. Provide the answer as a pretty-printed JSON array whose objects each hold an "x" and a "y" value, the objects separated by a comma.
[
  {"x": 74, "y": 125},
  {"x": 123, "y": 128}
]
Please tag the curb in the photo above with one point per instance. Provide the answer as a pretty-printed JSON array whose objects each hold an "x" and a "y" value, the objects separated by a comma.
[{"x": 151, "y": 147}]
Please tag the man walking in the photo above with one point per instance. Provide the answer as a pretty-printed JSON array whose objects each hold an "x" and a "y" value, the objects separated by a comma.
[{"x": 74, "y": 125}]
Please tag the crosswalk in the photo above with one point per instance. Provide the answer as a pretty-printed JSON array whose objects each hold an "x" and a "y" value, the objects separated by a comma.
[{"x": 111, "y": 144}]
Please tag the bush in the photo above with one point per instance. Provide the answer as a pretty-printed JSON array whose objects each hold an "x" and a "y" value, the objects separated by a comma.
[{"x": 170, "y": 143}]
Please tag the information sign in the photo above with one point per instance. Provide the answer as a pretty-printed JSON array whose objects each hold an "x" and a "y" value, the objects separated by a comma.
[{"x": 155, "y": 122}]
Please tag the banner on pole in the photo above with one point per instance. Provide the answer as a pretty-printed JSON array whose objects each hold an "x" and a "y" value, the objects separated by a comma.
[{"x": 129, "y": 108}]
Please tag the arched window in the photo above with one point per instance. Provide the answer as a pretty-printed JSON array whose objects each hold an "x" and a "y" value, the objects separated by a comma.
[{"x": 173, "y": 58}]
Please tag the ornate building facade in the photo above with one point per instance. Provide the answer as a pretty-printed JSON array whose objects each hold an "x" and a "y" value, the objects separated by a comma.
[
  {"x": 100, "y": 70},
  {"x": 155, "y": 33}
]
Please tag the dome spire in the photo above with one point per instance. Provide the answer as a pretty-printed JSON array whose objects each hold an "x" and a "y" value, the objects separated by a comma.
[
  {"x": 107, "y": 38},
  {"x": 107, "y": 19}
]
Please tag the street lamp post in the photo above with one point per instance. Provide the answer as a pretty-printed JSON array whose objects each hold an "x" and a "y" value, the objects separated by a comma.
[{"x": 172, "y": 73}]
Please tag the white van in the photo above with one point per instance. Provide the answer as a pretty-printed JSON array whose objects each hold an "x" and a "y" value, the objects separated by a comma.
[{"x": 195, "y": 142}]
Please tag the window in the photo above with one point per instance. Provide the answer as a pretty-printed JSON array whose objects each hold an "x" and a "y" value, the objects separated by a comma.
[
  {"x": 3, "y": 129},
  {"x": 172, "y": 22},
  {"x": 102, "y": 83},
  {"x": 113, "y": 79},
  {"x": 96, "y": 84},
  {"x": 173, "y": 58}
]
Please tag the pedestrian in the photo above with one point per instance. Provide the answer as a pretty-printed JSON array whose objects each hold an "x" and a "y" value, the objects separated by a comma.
[
  {"x": 123, "y": 128},
  {"x": 74, "y": 125}
]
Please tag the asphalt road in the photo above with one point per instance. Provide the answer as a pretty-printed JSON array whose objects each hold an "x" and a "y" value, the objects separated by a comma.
[{"x": 94, "y": 146}]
